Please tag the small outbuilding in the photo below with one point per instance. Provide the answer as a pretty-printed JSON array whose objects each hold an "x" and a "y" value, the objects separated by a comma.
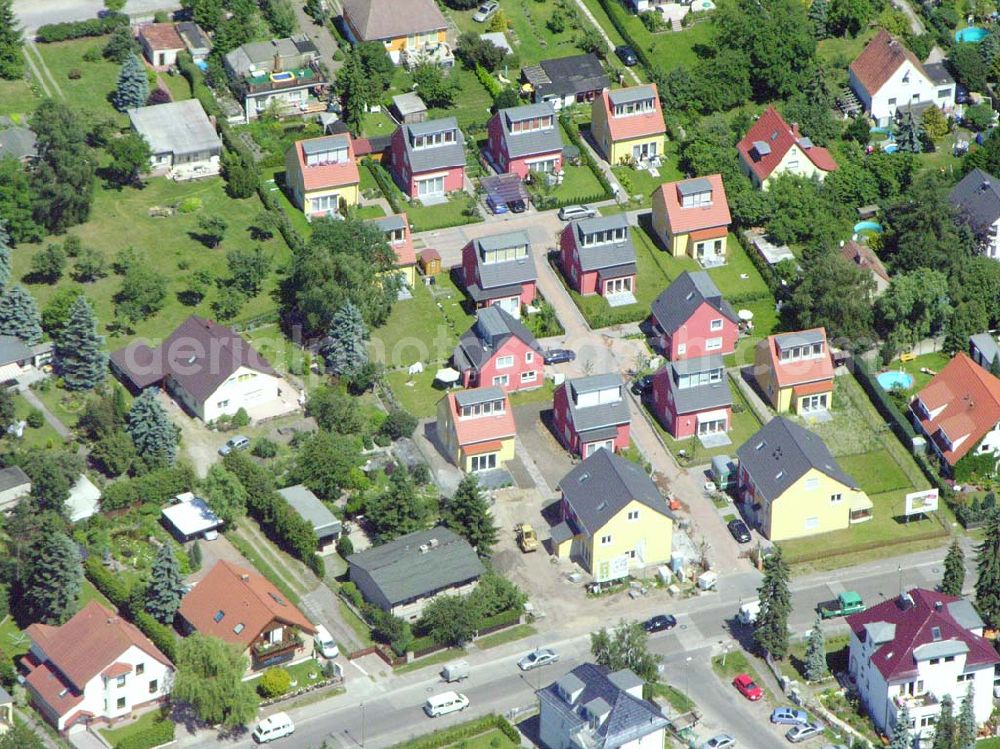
[
  {"x": 14, "y": 484},
  {"x": 160, "y": 44},
  {"x": 430, "y": 262},
  {"x": 318, "y": 515},
  {"x": 190, "y": 518},
  {"x": 409, "y": 107},
  {"x": 182, "y": 139}
]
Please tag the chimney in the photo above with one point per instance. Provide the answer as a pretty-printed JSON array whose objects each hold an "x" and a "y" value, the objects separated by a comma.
[
  {"x": 245, "y": 578},
  {"x": 937, "y": 605}
]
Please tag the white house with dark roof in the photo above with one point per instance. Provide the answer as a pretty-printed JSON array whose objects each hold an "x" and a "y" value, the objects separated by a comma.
[
  {"x": 977, "y": 199},
  {"x": 209, "y": 369},
  {"x": 404, "y": 575},
  {"x": 182, "y": 140},
  {"x": 594, "y": 708},
  {"x": 911, "y": 650},
  {"x": 310, "y": 508}
]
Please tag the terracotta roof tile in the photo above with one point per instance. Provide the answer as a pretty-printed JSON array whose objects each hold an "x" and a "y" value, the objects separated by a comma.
[
  {"x": 162, "y": 36},
  {"x": 243, "y": 597},
  {"x": 636, "y": 125},
  {"x": 685, "y": 220},
  {"x": 473, "y": 430},
  {"x": 880, "y": 59},
  {"x": 967, "y": 399},
  {"x": 800, "y": 371},
  {"x": 771, "y": 128}
]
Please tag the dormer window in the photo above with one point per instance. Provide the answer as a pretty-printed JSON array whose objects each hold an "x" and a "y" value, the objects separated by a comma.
[
  {"x": 326, "y": 153},
  {"x": 697, "y": 199},
  {"x": 804, "y": 351},
  {"x": 531, "y": 124},
  {"x": 504, "y": 254},
  {"x": 395, "y": 236},
  {"x": 627, "y": 109},
  {"x": 433, "y": 140},
  {"x": 488, "y": 408},
  {"x": 617, "y": 234}
]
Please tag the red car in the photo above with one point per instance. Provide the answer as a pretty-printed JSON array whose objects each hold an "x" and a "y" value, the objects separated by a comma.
[{"x": 747, "y": 688}]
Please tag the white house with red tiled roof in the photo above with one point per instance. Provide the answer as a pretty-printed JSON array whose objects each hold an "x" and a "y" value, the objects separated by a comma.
[
  {"x": 887, "y": 78},
  {"x": 912, "y": 650},
  {"x": 772, "y": 147},
  {"x": 959, "y": 411},
  {"x": 96, "y": 668}
]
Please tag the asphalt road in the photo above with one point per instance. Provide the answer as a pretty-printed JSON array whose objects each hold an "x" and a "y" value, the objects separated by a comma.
[
  {"x": 705, "y": 628},
  {"x": 35, "y": 13}
]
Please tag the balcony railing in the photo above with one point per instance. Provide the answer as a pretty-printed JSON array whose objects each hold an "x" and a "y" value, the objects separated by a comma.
[
  {"x": 915, "y": 701},
  {"x": 268, "y": 649}
]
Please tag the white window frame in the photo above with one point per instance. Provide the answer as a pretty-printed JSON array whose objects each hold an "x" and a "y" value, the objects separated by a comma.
[
  {"x": 501, "y": 380},
  {"x": 713, "y": 344},
  {"x": 681, "y": 349},
  {"x": 633, "y": 514},
  {"x": 606, "y": 540},
  {"x": 529, "y": 375},
  {"x": 505, "y": 362},
  {"x": 836, "y": 497},
  {"x": 716, "y": 325}
]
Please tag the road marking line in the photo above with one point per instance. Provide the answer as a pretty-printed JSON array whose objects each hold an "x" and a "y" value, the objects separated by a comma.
[{"x": 358, "y": 667}]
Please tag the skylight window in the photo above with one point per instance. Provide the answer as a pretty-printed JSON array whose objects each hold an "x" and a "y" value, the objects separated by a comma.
[
  {"x": 239, "y": 628},
  {"x": 277, "y": 599},
  {"x": 219, "y": 616}
]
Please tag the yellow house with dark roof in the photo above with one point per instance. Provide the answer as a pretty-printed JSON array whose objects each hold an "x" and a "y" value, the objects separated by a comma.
[{"x": 408, "y": 25}]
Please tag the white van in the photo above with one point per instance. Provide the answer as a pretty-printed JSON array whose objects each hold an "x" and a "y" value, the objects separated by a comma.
[
  {"x": 273, "y": 727},
  {"x": 748, "y": 612},
  {"x": 444, "y": 703},
  {"x": 324, "y": 642}
]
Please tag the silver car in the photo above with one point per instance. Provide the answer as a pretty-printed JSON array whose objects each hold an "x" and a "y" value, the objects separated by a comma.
[
  {"x": 574, "y": 212},
  {"x": 538, "y": 658},
  {"x": 486, "y": 11},
  {"x": 803, "y": 733},
  {"x": 239, "y": 442},
  {"x": 722, "y": 741}
]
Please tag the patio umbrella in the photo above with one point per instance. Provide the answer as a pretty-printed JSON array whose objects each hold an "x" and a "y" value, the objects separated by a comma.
[
  {"x": 745, "y": 315},
  {"x": 447, "y": 375}
]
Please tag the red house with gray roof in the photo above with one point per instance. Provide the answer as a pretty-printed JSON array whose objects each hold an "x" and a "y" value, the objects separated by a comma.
[
  {"x": 499, "y": 269},
  {"x": 428, "y": 158},
  {"x": 772, "y": 147},
  {"x": 912, "y": 650},
  {"x": 498, "y": 351},
  {"x": 525, "y": 139},
  {"x": 597, "y": 257},
  {"x": 96, "y": 669},
  {"x": 591, "y": 413},
  {"x": 959, "y": 411},
  {"x": 692, "y": 318}
]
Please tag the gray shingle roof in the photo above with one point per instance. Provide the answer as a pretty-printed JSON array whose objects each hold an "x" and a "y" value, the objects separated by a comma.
[
  {"x": 12, "y": 477},
  {"x": 603, "y": 485},
  {"x": 291, "y": 51},
  {"x": 799, "y": 338},
  {"x": 965, "y": 614},
  {"x": 629, "y": 95},
  {"x": 675, "y": 305},
  {"x": 491, "y": 330},
  {"x": 534, "y": 141},
  {"x": 18, "y": 143},
  {"x": 177, "y": 127},
  {"x": 700, "y": 397},
  {"x": 478, "y": 395},
  {"x": 628, "y": 718},
  {"x": 495, "y": 276},
  {"x": 402, "y": 571},
  {"x": 589, "y": 418},
  {"x": 694, "y": 186},
  {"x": 563, "y": 76},
  {"x": 324, "y": 144},
  {"x": 390, "y": 223},
  {"x": 977, "y": 198},
  {"x": 608, "y": 255},
  {"x": 782, "y": 452},
  {"x": 13, "y": 349},
  {"x": 311, "y": 509},
  {"x": 437, "y": 157},
  {"x": 938, "y": 74},
  {"x": 409, "y": 103}
]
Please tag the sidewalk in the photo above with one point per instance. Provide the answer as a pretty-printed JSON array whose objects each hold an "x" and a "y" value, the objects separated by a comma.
[{"x": 33, "y": 399}]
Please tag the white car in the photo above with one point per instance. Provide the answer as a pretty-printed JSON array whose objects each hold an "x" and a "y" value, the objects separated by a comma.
[
  {"x": 538, "y": 658},
  {"x": 486, "y": 11},
  {"x": 574, "y": 212},
  {"x": 722, "y": 741}
]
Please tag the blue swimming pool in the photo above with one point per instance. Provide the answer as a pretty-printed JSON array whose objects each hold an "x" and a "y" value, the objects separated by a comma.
[
  {"x": 890, "y": 380},
  {"x": 868, "y": 227},
  {"x": 971, "y": 34}
]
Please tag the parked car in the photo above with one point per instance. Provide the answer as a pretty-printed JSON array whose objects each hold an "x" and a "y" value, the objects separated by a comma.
[
  {"x": 747, "y": 687},
  {"x": 627, "y": 55},
  {"x": 803, "y": 733},
  {"x": 642, "y": 385},
  {"x": 239, "y": 442},
  {"x": 538, "y": 658},
  {"x": 739, "y": 530},
  {"x": 722, "y": 741},
  {"x": 445, "y": 703},
  {"x": 558, "y": 356},
  {"x": 574, "y": 212},
  {"x": 486, "y": 11},
  {"x": 273, "y": 727},
  {"x": 846, "y": 603},
  {"x": 660, "y": 623},
  {"x": 516, "y": 206},
  {"x": 789, "y": 716}
]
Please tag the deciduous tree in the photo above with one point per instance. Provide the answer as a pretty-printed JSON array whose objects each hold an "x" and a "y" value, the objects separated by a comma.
[
  {"x": 328, "y": 463},
  {"x": 210, "y": 679},
  {"x": 130, "y": 156},
  {"x": 62, "y": 181},
  {"x": 449, "y": 620},
  {"x": 142, "y": 294},
  {"x": 80, "y": 356},
  {"x": 224, "y": 494},
  {"x": 19, "y": 315},
  {"x": 626, "y": 647},
  {"x": 834, "y": 293},
  {"x": 212, "y": 229},
  {"x": 915, "y": 305},
  {"x": 335, "y": 410},
  {"x": 48, "y": 264},
  {"x": 771, "y": 627},
  {"x": 166, "y": 586},
  {"x": 468, "y": 514},
  {"x": 248, "y": 269},
  {"x": 434, "y": 87}
]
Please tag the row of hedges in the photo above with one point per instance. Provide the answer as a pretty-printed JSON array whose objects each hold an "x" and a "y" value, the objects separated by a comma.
[
  {"x": 283, "y": 525},
  {"x": 196, "y": 81},
  {"x": 128, "y": 601},
  {"x": 573, "y": 131},
  {"x": 765, "y": 269},
  {"x": 159, "y": 733},
  {"x": 975, "y": 513},
  {"x": 384, "y": 181},
  {"x": 453, "y": 735},
  {"x": 614, "y": 10},
  {"x": 155, "y": 487},
  {"x": 60, "y": 32},
  {"x": 548, "y": 202}
]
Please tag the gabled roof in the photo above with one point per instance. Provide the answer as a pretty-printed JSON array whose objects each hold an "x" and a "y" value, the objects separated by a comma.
[
  {"x": 13, "y": 349},
  {"x": 496, "y": 276},
  {"x": 89, "y": 642},
  {"x": 419, "y": 563},
  {"x": 236, "y": 604},
  {"x": 564, "y": 76},
  {"x": 177, "y": 127},
  {"x": 473, "y": 430},
  {"x": 607, "y": 255},
  {"x": 405, "y": 254},
  {"x": 684, "y": 220},
  {"x": 443, "y": 156},
  {"x": 864, "y": 257},
  {"x": 633, "y": 125},
  {"x": 699, "y": 397},
  {"x": 781, "y": 452},
  {"x": 492, "y": 329},
  {"x": 603, "y": 485},
  {"x": 965, "y": 402},
  {"x": 18, "y": 143},
  {"x": 766, "y": 143},
  {"x": 199, "y": 356},
  {"x": 602, "y": 415},
  {"x": 977, "y": 198},
  {"x": 193, "y": 36},
  {"x": 682, "y": 298},
  {"x": 391, "y": 19},
  {"x": 919, "y": 625},
  {"x": 598, "y": 692},
  {"x": 161, "y": 36},
  {"x": 880, "y": 59},
  {"x": 799, "y": 371},
  {"x": 531, "y": 142},
  {"x": 322, "y": 176}
]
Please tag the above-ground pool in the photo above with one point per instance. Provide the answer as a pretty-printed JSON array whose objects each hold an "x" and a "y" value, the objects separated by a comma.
[
  {"x": 868, "y": 227},
  {"x": 897, "y": 379},
  {"x": 971, "y": 34}
]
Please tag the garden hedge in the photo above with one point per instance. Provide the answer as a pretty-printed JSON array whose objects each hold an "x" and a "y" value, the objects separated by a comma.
[
  {"x": 60, "y": 32},
  {"x": 158, "y": 734}
]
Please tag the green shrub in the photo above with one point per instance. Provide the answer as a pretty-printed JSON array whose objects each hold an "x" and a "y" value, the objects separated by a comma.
[
  {"x": 159, "y": 733},
  {"x": 264, "y": 448},
  {"x": 241, "y": 418},
  {"x": 60, "y": 32},
  {"x": 35, "y": 419},
  {"x": 345, "y": 547},
  {"x": 275, "y": 682},
  {"x": 507, "y": 729},
  {"x": 351, "y": 593},
  {"x": 189, "y": 205}
]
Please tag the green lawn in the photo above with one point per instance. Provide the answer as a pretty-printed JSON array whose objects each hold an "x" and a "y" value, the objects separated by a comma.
[
  {"x": 416, "y": 393},
  {"x": 739, "y": 279},
  {"x": 442, "y": 656},
  {"x": 579, "y": 184},
  {"x": 34, "y": 439},
  {"x": 121, "y": 219},
  {"x": 368, "y": 212},
  {"x": 429, "y": 217},
  {"x": 934, "y": 362},
  {"x": 16, "y": 97},
  {"x": 836, "y": 657},
  {"x": 361, "y": 630},
  {"x": 144, "y": 723},
  {"x": 13, "y": 641},
  {"x": 472, "y": 104},
  {"x": 677, "y": 700},
  {"x": 377, "y": 123},
  {"x": 839, "y": 52},
  {"x": 64, "y": 405},
  {"x": 876, "y": 471},
  {"x": 178, "y": 86},
  {"x": 88, "y": 93},
  {"x": 729, "y": 665},
  {"x": 275, "y": 179},
  {"x": 512, "y": 634},
  {"x": 640, "y": 184}
]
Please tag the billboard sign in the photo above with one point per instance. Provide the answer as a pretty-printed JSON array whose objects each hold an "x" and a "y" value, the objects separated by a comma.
[{"x": 918, "y": 503}]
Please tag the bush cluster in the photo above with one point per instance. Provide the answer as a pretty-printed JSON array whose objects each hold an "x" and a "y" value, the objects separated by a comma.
[{"x": 60, "y": 32}]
